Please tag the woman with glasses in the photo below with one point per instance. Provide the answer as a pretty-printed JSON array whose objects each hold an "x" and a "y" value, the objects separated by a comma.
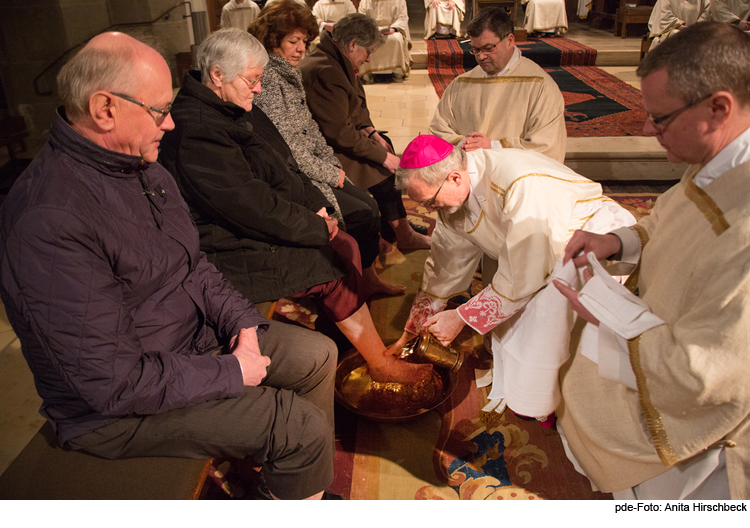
[
  {"x": 336, "y": 99},
  {"x": 285, "y": 29},
  {"x": 261, "y": 221}
]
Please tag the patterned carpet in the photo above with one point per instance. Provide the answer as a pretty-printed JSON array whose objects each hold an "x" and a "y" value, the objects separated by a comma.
[
  {"x": 453, "y": 452},
  {"x": 596, "y": 103}
]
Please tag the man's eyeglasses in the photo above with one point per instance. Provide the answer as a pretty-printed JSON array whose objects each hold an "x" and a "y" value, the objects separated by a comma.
[
  {"x": 489, "y": 48},
  {"x": 161, "y": 113},
  {"x": 658, "y": 120},
  {"x": 431, "y": 201},
  {"x": 251, "y": 82}
]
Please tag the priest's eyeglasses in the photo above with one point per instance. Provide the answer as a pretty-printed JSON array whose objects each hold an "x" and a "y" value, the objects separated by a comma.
[
  {"x": 489, "y": 48},
  {"x": 431, "y": 201},
  {"x": 251, "y": 82},
  {"x": 161, "y": 113},
  {"x": 657, "y": 121}
]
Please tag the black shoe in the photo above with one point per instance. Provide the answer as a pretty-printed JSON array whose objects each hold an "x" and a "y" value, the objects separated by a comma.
[
  {"x": 422, "y": 230},
  {"x": 259, "y": 489},
  {"x": 327, "y": 495}
]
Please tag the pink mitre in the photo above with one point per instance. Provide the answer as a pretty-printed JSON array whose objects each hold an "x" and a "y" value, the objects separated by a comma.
[{"x": 424, "y": 150}]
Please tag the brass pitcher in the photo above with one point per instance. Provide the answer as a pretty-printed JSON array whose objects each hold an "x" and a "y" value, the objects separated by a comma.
[{"x": 427, "y": 348}]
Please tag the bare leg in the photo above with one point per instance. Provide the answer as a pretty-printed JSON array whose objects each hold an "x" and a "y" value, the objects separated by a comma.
[
  {"x": 383, "y": 366},
  {"x": 407, "y": 238},
  {"x": 377, "y": 285}
]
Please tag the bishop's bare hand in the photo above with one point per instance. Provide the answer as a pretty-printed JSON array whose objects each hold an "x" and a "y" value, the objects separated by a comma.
[{"x": 445, "y": 326}]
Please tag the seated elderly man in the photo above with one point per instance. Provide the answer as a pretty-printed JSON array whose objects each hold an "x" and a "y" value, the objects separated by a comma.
[
  {"x": 261, "y": 221},
  {"x": 735, "y": 12},
  {"x": 545, "y": 18},
  {"x": 671, "y": 16},
  {"x": 338, "y": 104},
  {"x": 519, "y": 207},
  {"x": 507, "y": 101},
  {"x": 118, "y": 311},
  {"x": 393, "y": 56},
  {"x": 442, "y": 18},
  {"x": 660, "y": 409}
]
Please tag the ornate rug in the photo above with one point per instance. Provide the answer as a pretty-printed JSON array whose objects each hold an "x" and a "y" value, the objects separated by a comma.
[
  {"x": 454, "y": 452},
  {"x": 596, "y": 103}
]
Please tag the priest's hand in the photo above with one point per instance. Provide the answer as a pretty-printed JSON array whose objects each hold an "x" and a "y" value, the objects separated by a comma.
[
  {"x": 445, "y": 326},
  {"x": 572, "y": 296},
  {"x": 475, "y": 141},
  {"x": 585, "y": 242},
  {"x": 244, "y": 347},
  {"x": 744, "y": 25}
]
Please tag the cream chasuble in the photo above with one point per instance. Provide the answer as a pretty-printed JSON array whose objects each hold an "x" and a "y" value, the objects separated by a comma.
[
  {"x": 523, "y": 109},
  {"x": 729, "y": 11},
  {"x": 439, "y": 12},
  {"x": 691, "y": 372},
  {"x": 669, "y": 16},
  {"x": 393, "y": 56},
  {"x": 522, "y": 210},
  {"x": 545, "y": 16}
]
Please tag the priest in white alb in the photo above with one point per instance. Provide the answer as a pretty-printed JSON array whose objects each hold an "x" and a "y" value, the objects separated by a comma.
[
  {"x": 670, "y": 16},
  {"x": 520, "y": 208},
  {"x": 239, "y": 14},
  {"x": 545, "y": 17},
  {"x": 328, "y": 12},
  {"x": 393, "y": 56},
  {"x": 734, "y": 12},
  {"x": 442, "y": 18},
  {"x": 507, "y": 101}
]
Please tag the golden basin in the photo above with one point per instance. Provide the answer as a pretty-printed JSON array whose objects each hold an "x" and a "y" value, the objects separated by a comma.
[{"x": 390, "y": 402}]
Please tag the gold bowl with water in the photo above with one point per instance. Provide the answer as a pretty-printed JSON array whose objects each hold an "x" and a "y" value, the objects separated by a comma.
[{"x": 398, "y": 402}]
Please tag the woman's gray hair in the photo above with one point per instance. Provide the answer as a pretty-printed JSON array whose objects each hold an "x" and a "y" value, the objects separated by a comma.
[
  {"x": 360, "y": 28},
  {"x": 94, "y": 69},
  {"x": 232, "y": 51},
  {"x": 433, "y": 174}
]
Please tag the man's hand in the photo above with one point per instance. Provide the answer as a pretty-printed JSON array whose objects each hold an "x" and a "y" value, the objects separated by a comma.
[
  {"x": 475, "y": 141},
  {"x": 445, "y": 326},
  {"x": 331, "y": 223},
  {"x": 389, "y": 31},
  {"x": 244, "y": 347},
  {"x": 391, "y": 162},
  {"x": 328, "y": 26},
  {"x": 572, "y": 296},
  {"x": 383, "y": 143},
  {"x": 744, "y": 25},
  {"x": 585, "y": 242},
  {"x": 342, "y": 177}
]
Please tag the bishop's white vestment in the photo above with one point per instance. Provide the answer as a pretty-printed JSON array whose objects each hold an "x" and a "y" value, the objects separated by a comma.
[
  {"x": 234, "y": 15},
  {"x": 440, "y": 12},
  {"x": 669, "y": 16},
  {"x": 545, "y": 16}
]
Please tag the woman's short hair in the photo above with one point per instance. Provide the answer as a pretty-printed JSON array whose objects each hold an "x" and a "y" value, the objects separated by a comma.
[
  {"x": 360, "y": 28},
  {"x": 433, "y": 174},
  {"x": 232, "y": 51},
  {"x": 279, "y": 19},
  {"x": 94, "y": 69},
  {"x": 703, "y": 59}
]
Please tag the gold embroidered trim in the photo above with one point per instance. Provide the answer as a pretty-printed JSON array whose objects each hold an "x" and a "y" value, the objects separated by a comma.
[
  {"x": 707, "y": 206},
  {"x": 499, "y": 190},
  {"x": 479, "y": 221},
  {"x": 505, "y": 142},
  {"x": 632, "y": 281},
  {"x": 503, "y": 296},
  {"x": 653, "y": 418},
  {"x": 500, "y": 80},
  {"x": 503, "y": 193}
]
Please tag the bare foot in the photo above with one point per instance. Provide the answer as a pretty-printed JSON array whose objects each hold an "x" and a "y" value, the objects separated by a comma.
[
  {"x": 397, "y": 371},
  {"x": 377, "y": 286},
  {"x": 412, "y": 241}
]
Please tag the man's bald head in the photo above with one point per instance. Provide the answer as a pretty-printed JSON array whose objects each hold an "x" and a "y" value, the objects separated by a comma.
[{"x": 111, "y": 61}]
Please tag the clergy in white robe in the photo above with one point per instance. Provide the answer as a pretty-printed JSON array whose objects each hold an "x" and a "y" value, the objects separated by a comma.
[
  {"x": 443, "y": 17},
  {"x": 545, "y": 16},
  {"x": 393, "y": 56},
  {"x": 661, "y": 409},
  {"x": 239, "y": 14},
  {"x": 520, "y": 208},
  {"x": 670, "y": 16},
  {"x": 734, "y": 12},
  {"x": 328, "y": 12},
  {"x": 301, "y": 2},
  {"x": 507, "y": 101}
]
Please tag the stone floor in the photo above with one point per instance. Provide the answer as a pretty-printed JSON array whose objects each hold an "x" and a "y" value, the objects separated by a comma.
[{"x": 405, "y": 110}]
